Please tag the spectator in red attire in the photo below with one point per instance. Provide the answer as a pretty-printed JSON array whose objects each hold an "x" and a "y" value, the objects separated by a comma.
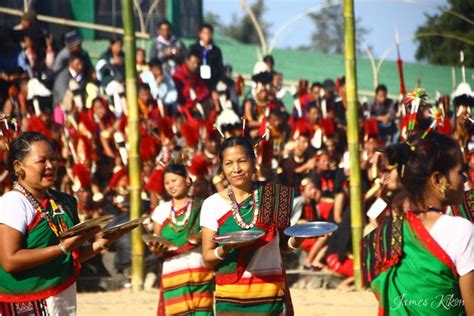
[{"x": 191, "y": 88}]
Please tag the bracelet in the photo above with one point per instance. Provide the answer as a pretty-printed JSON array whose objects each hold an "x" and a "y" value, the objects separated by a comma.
[
  {"x": 292, "y": 248},
  {"x": 63, "y": 249},
  {"x": 216, "y": 253}
]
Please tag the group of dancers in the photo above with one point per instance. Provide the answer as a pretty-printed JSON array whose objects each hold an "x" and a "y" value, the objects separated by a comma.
[{"x": 418, "y": 261}]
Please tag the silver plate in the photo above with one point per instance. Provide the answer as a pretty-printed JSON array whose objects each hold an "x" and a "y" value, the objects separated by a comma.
[
  {"x": 124, "y": 226},
  {"x": 311, "y": 229},
  {"x": 238, "y": 237},
  {"x": 100, "y": 221},
  {"x": 154, "y": 238}
]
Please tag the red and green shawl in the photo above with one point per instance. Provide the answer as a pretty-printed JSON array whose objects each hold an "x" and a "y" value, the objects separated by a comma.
[
  {"x": 266, "y": 295},
  {"x": 408, "y": 271},
  {"x": 466, "y": 208},
  {"x": 52, "y": 277},
  {"x": 181, "y": 238}
]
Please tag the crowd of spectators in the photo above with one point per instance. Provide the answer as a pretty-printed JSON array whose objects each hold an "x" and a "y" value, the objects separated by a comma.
[{"x": 188, "y": 101}]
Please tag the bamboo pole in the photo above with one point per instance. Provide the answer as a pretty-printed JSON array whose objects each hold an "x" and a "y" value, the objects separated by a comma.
[
  {"x": 79, "y": 24},
  {"x": 353, "y": 135},
  {"x": 141, "y": 19},
  {"x": 133, "y": 159},
  {"x": 258, "y": 28}
]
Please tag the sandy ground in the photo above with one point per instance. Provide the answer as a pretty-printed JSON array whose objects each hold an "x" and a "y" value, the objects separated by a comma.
[{"x": 318, "y": 302}]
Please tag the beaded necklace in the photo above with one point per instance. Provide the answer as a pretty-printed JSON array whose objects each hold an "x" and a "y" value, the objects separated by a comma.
[
  {"x": 57, "y": 229},
  {"x": 236, "y": 209},
  {"x": 180, "y": 225}
]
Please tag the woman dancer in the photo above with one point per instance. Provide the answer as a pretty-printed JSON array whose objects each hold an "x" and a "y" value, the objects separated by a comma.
[
  {"x": 186, "y": 282},
  {"x": 422, "y": 263},
  {"x": 250, "y": 278},
  {"x": 38, "y": 270}
]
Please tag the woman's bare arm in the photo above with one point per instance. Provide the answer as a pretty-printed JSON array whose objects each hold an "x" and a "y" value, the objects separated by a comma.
[
  {"x": 208, "y": 247},
  {"x": 466, "y": 284},
  {"x": 14, "y": 259}
]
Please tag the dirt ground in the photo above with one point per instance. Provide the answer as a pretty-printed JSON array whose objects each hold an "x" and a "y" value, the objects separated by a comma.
[{"x": 320, "y": 302}]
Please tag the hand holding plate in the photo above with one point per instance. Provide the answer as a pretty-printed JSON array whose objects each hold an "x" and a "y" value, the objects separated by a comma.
[
  {"x": 157, "y": 248},
  {"x": 157, "y": 244},
  {"x": 310, "y": 229},
  {"x": 238, "y": 239},
  {"x": 80, "y": 239}
]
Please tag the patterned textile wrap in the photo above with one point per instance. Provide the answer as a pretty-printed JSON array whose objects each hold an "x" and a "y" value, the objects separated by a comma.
[
  {"x": 34, "y": 308},
  {"x": 381, "y": 249},
  {"x": 252, "y": 279},
  {"x": 466, "y": 208},
  {"x": 424, "y": 281},
  {"x": 180, "y": 237},
  {"x": 52, "y": 277},
  {"x": 187, "y": 285}
]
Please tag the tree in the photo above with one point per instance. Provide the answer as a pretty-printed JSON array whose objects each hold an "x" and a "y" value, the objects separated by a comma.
[
  {"x": 328, "y": 36},
  {"x": 243, "y": 30},
  {"x": 214, "y": 20},
  {"x": 443, "y": 50}
]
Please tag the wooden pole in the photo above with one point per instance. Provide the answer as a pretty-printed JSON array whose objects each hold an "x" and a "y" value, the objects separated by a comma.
[
  {"x": 79, "y": 24},
  {"x": 133, "y": 138},
  {"x": 353, "y": 135}
]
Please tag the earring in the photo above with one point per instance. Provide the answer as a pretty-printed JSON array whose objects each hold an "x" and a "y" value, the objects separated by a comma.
[
  {"x": 19, "y": 172},
  {"x": 443, "y": 188}
]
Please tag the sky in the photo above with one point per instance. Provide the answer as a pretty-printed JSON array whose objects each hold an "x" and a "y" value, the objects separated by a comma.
[{"x": 379, "y": 16}]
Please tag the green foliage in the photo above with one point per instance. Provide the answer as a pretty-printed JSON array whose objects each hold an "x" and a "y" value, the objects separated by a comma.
[
  {"x": 214, "y": 20},
  {"x": 242, "y": 29},
  {"x": 442, "y": 50},
  {"x": 328, "y": 36}
]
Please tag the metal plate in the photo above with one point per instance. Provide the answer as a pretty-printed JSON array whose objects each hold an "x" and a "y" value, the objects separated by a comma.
[
  {"x": 100, "y": 221},
  {"x": 238, "y": 237},
  {"x": 124, "y": 226},
  {"x": 154, "y": 238},
  {"x": 311, "y": 229}
]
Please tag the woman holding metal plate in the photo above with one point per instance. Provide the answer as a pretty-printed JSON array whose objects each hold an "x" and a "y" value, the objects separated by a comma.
[
  {"x": 186, "y": 282},
  {"x": 39, "y": 268},
  {"x": 242, "y": 232}
]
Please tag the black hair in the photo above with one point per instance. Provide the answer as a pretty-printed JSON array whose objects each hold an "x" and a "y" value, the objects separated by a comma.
[
  {"x": 313, "y": 105},
  {"x": 193, "y": 52},
  {"x": 155, "y": 62},
  {"x": 463, "y": 99},
  {"x": 21, "y": 146},
  {"x": 115, "y": 39},
  {"x": 75, "y": 56},
  {"x": 143, "y": 86},
  {"x": 237, "y": 141},
  {"x": 269, "y": 58},
  {"x": 230, "y": 127},
  {"x": 177, "y": 169},
  {"x": 316, "y": 84},
  {"x": 342, "y": 81},
  {"x": 381, "y": 87},
  {"x": 206, "y": 26},
  {"x": 418, "y": 159},
  {"x": 164, "y": 22},
  {"x": 277, "y": 112}
]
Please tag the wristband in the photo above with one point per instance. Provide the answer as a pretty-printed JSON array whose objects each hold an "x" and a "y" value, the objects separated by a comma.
[
  {"x": 216, "y": 253},
  {"x": 63, "y": 249},
  {"x": 293, "y": 248}
]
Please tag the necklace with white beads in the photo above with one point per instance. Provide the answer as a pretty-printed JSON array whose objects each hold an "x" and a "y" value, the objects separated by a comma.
[
  {"x": 236, "y": 209},
  {"x": 180, "y": 225}
]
